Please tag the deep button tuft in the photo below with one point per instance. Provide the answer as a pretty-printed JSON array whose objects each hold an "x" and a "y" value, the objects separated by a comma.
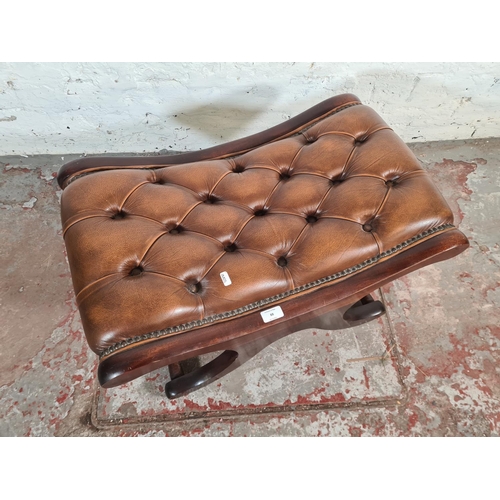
[
  {"x": 137, "y": 271},
  {"x": 194, "y": 287},
  {"x": 192, "y": 259},
  {"x": 176, "y": 230},
  {"x": 119, "y": 215},
  {"x": 282, "y": 262},
  {"x": 392, "y": 182},
  {"x": 211, "y": 199},
  {"x": 260, "y": 213}
]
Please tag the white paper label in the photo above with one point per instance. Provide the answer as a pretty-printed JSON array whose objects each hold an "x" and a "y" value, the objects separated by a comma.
[
  {"x": 225, "y": 278},
  {"x": 272, "y": 314}
]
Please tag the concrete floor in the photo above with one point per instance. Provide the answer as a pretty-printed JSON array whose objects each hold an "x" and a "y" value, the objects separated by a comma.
[{"x": 431, "y": 367}]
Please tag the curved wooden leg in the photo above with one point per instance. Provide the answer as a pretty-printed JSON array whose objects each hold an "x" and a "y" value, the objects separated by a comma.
[
  {"x": 364, "y": 310},
  {"x": 183, "y": 382}
]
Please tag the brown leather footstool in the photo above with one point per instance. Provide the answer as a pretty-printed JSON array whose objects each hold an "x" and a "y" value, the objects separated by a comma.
[{"x": 233, "y": 247}]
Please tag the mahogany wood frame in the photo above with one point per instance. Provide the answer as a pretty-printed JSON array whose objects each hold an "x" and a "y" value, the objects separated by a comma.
[
  {"x": 247, "y": 334},
  {"x": 366, "y": 309},
  {"x": 244, "y": 336}
]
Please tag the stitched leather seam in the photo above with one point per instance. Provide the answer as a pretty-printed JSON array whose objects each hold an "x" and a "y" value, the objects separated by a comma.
[
  {"x": 377, "y": 241},
  {"x": 120, "y": 276},
  {"x": 290, "y": 277},
  {"x": 314, "y": 174},
  {"x": 245, "y": 224},
  {"x": 169, "y": 276},
  {"x": 290, "y": 167},
  {"x": 338, "y": 217},
  {"x": 335, "y": 132},
  {"x": 211, "y": 238},
  {"x": 346, "y": 163},
  {"x": 350, "y": 135},
  {"x": 127, "y": 196},
  {"x": 386, "y": 196},
  {"x": 185, "y": 216},
  {"x": 69, "y": 226},
  {"x": 219, "y": 181},
  {"x": 302, "y": 231},
  {"x": 235, "y": 204},
  {"x": 318, "y": 207},
  {"x": 268, "y": 199},
  {"x": 203, "y": 309},
  {"x": 174, "y": 330},
  {"x": 419, "y": 173},
  {"x": 372, "y": 176},
  {"x": 260, "y": 252},
  {"x": 211, "y": 266},
  {"x": 97, "y": 281},
  {"x": 151, "y": 245}
]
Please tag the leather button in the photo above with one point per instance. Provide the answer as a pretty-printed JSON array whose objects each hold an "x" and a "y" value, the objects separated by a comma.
[
  {"x": 311, "y": 219},
  {"x": 260, "y": 213},
  {"x": 282, "y": 262},
  {"x": 119, "y": 215},
  {"x": 194, "y": 287},
  {"x": 238, "y": 169},
  {"x": 176, "y": 230},
  {"x": 137, "y": 271},
  {"x": 285, "y": 176},
  {"x": 392, "y": 182},
  {"x": 211, "y": 199},
  {"x": 230, "y": 248},
  {"x": 336, "y": 182},
  {"x": 367, "y": 227}
]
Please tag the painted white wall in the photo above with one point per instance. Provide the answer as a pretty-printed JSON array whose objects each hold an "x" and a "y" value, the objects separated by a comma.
[{"x": 134, "y": 107}]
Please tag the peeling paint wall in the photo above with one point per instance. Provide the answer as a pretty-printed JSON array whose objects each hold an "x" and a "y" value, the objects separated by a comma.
[{"x": 64, "y": 108}]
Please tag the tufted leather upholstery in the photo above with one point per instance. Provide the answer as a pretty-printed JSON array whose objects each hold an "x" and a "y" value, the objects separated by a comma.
[{"x": 147, "y": 246}]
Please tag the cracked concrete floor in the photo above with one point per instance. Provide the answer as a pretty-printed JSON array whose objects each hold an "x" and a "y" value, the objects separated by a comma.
[{"x": 441, "y": 376}]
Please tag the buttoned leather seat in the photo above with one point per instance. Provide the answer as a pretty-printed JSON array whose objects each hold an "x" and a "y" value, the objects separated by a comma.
[{"x": 177, "y": 255}]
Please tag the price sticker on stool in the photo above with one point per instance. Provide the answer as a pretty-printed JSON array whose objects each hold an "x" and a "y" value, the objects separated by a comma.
[
  {"x": 272, "y": 314},
  {"x": 225, "y": 278}
]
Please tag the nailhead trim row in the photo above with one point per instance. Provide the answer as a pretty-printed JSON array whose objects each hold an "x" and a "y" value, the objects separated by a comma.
[{"x": 265, "y": 302}]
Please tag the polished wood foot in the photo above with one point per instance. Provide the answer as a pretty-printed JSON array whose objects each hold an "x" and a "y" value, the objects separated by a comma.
[
  {"x": 182, "y": 384},
  {"x": 365, "y": 309}
]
